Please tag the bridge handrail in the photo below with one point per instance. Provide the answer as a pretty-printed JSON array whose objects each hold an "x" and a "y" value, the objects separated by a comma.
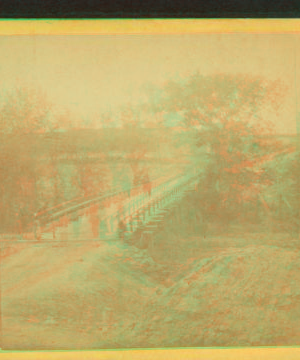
[
  {"x": 52, "y": 211},
  {"x": 184, "y": 180},
  {"x": 74, "y": 200},
  {"x": 181, "y": 182},
  {"x": 92, "y": 196}
]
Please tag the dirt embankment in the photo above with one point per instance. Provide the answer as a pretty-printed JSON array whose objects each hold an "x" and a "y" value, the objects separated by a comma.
[{"x": 116, "y": 296}]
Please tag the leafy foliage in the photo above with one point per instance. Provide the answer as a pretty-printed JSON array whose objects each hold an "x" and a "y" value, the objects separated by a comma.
[
  {"x": 25, "y": 110},
  {"x": 225, "y": 112}
]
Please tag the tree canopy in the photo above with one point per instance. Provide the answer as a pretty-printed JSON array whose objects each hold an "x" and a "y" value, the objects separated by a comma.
[
  {"x": 25, "y": 110},
  {"x": 226, "y": 113}
]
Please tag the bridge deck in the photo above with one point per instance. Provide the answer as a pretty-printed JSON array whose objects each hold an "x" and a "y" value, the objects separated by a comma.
[{"x": 101, "y": 217}]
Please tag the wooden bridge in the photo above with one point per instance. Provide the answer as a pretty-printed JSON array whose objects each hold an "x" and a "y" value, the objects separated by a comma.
[{"x": 121, "y": 212}]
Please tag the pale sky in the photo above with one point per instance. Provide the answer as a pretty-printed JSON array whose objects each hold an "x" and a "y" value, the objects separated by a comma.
[{"x": 91, "y": 73}]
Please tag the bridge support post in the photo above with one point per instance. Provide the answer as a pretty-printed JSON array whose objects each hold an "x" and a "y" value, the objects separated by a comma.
[
  {"x": 147, "y": 212},
  {"x": 103, "y": 228},
  {"x": 110, "y": 224}
]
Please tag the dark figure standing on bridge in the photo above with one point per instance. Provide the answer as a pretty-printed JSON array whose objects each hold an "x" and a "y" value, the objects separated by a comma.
[
  {"x": 37, "y": 227},
  {"x": 147, "y": 182},
  {"x": 122, "y": 229},
  {"x": 126, "y": 182},
  {"x": 21, "y": 219}
]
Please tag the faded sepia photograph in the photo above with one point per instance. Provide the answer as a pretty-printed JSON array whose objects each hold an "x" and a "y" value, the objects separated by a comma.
[{"x": 149, "y": 191}]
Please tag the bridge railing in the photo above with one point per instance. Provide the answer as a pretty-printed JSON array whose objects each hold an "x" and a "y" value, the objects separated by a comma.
[
  {"x": 162, "y": 193},
  {"x": 73, "y": 205},
  {"x": 134, "y": 211}
]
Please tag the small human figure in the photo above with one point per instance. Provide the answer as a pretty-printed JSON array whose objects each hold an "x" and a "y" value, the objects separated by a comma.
[
  {"x": 37, "y": 227},
  {"x": 147, "y": 182},
  {"x": 122, "y": 229}
]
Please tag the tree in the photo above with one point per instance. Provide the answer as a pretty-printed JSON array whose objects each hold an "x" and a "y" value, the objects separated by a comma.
[
  {"x": 24, "y": 113},
  {"x": 223, "y": 112},
  {"x": 25, "y": 110},
  {"x": 282, "y": 197}
]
